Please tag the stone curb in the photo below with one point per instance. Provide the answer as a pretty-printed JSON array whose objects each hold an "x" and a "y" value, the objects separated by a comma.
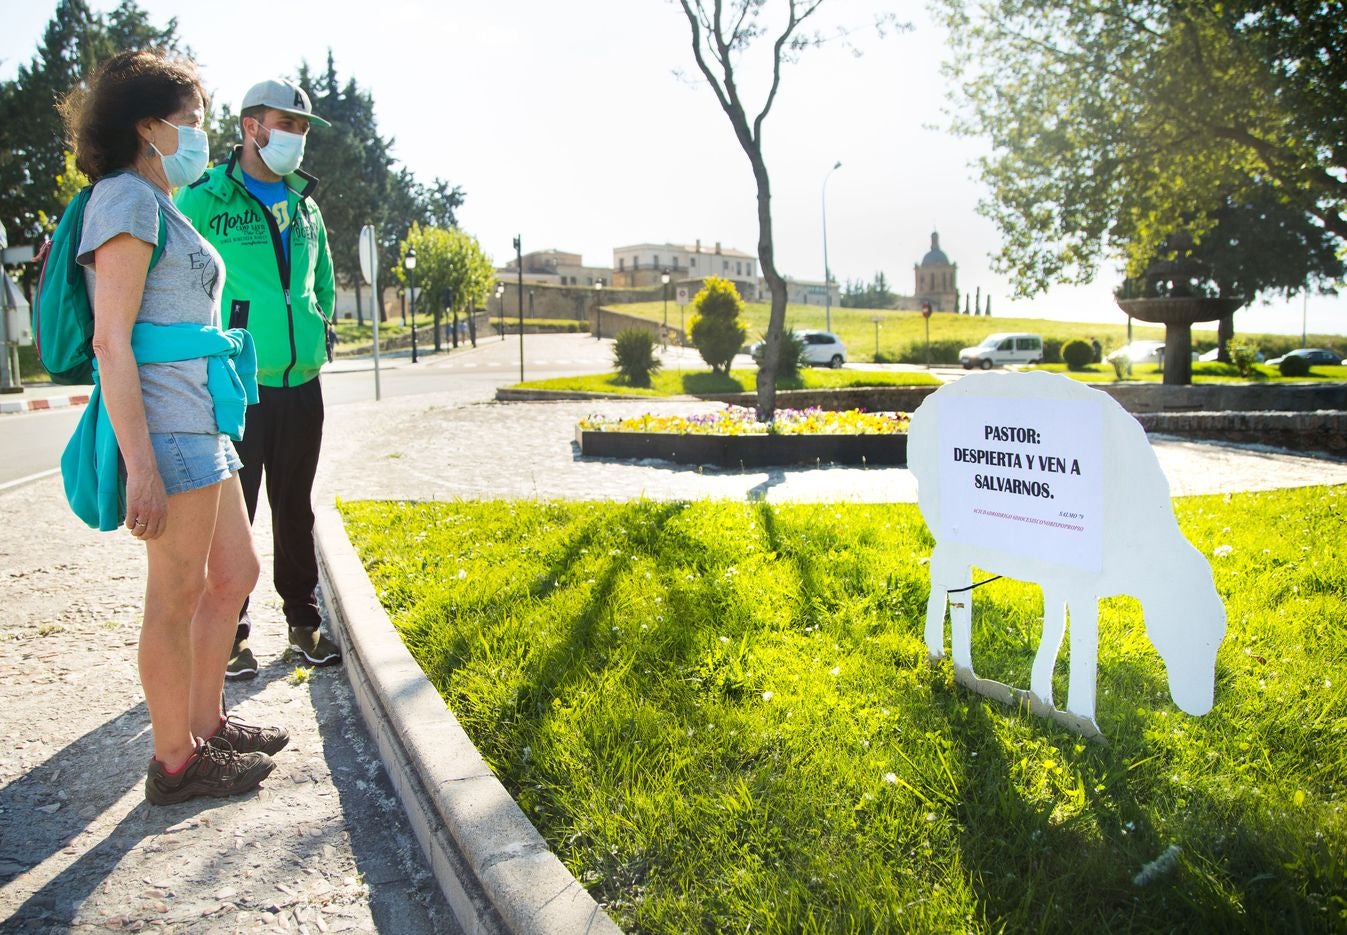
[
  {"x": 496, "y": 871},
  {"x": 47, "y": 402}
]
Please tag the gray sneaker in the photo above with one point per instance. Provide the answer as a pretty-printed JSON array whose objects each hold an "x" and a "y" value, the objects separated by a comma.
[
  {"x": 245, "y": 738},
  {"x": 316, "y": 649},
  {"x": 216, "y": 769},
  {"x": 242, "y": 663}
]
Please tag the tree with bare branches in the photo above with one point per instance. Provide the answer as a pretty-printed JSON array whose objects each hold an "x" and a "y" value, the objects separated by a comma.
[{"x": 721, "y": 31}]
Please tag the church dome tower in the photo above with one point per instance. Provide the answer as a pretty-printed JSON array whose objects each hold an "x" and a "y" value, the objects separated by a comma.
[{"x": 937, "y": 279}]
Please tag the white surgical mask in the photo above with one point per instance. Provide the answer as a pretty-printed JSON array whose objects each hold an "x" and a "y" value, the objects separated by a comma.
[
  {"x": 186, "y": 163},
  {"x": 284, "y": 151}
]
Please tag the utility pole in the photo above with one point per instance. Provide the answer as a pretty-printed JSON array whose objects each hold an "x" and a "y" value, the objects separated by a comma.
[{"x": 519, "y": 262}]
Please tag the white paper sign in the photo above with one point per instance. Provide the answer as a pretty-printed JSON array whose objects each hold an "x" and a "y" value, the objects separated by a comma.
[
  {"x": 1024, "y": 476},
  {"x": 681, "y": 295}
]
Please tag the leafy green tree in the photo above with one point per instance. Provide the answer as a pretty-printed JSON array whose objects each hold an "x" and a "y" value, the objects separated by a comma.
[
  {"x": 32, "y": 139},
  {"x": 1114, "y": 123},
  {"x": 352, "y": 161},
  {"x": 715, "y": 329},
  {"x": 32, "y": 149},
  {"x": 863, "y": 295},
  {"x": 452, "y": 272},
  {"x": 721, "y": 33}
]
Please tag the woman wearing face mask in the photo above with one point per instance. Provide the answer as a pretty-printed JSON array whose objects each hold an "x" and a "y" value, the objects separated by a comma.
[{"x": 168, "y": 386}]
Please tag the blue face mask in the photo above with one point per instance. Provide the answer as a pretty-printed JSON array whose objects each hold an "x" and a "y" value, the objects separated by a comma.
[
  {"x": 284, "y": 151},
  {"x": 186, "y": 163}
]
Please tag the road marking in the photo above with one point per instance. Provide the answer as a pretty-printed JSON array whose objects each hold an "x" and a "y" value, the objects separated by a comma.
[{"x": 9, "y": 485}]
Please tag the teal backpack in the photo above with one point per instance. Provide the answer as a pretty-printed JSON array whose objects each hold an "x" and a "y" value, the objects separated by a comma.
[{"x": 63, "y": 316}]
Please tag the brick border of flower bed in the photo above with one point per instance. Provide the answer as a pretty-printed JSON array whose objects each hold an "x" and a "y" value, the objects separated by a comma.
[{"x": 733, "y": 451}]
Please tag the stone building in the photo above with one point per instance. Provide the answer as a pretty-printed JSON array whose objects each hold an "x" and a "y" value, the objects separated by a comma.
[
  {"x": 937, "y": 279},
  {"x": 558, "y": 268},
  {"x": 642, "y": 265}
]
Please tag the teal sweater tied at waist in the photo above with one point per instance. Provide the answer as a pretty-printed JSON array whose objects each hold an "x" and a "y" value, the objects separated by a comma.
[{"x": 92, "y": 467}]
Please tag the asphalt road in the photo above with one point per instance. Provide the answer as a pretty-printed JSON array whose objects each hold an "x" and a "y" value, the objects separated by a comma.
[{"x": 31, "y": 442}]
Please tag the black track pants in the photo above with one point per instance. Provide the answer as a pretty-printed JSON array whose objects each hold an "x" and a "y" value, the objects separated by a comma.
[{"x": 282, "y": 438}]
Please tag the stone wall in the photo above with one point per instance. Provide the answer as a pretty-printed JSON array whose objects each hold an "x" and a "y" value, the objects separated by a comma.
[
  {"x": 1324, "y": 432},
  {"x": 606, "y": 323},
  {"x": 570, "y": 302}
]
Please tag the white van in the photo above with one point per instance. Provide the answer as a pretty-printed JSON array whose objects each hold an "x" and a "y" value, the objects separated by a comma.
[{"x": 1002, "y": 348}]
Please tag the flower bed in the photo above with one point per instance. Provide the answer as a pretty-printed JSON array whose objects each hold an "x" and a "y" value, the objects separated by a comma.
[{"x": 734, "y": 437}]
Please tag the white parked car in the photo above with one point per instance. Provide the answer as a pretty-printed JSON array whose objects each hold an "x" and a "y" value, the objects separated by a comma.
[
  {"x": 1140, "y": 352},
  {"x": 1215, "y": 352},
  {"x": 821, "y": 349},
  {"x": 1003, "y": 348}
]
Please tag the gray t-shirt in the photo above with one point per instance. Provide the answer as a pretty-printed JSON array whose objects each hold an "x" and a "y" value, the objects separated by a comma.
[{"x": 184, "y": 286}]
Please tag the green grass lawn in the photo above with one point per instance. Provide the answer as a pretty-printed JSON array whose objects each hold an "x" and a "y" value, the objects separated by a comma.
[
  {"x": 722, "y": 718},
  {"x": 902, "y": 334},
  {"x": 1203, "y": 372},
  {"x": 704, "y": 382}
]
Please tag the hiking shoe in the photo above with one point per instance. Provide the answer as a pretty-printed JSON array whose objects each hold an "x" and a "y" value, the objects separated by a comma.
[
  {"x": 216, "y": 769},
  {"x": 242, "y": 663},
  {"x": 316, "y": 649},
  {"x": 245, "y": 738}
]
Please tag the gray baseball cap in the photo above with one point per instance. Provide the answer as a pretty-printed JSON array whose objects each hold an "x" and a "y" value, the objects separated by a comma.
[{"x": 279, "y": 94}]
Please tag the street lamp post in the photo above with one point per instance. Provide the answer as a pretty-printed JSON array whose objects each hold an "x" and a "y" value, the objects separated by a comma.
[
  {"x": 876, "y": 320},
  {"x": 500, "y": 307},
  {"x": 664, "y": 332},
  {"x": 519, "y": 285},
  {"x": 598, "y": 310},
  {"x": 827, "y": 274},
  {"x": 410, "y": 263}
]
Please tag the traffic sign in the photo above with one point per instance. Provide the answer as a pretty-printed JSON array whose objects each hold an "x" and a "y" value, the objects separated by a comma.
[{"x": 369, "y": 254}]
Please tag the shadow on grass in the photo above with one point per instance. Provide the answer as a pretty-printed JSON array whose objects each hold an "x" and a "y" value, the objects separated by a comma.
[
  {"x": 710, "y": 384},
  {"x": 1228, "y": 874}
]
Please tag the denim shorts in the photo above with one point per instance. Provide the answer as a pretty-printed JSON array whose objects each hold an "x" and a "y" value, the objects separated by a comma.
[{"x": 188, "y": 461}]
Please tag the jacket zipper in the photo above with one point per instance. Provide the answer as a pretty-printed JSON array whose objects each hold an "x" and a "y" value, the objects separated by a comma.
[{"x": 283, "y": 268}]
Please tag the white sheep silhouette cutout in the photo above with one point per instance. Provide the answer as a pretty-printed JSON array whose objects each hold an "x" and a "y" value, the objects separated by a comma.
[{"x": 1141, "y": 551}]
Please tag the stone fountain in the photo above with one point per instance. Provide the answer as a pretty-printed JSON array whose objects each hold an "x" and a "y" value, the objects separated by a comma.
[{"x": 1176, "y": 293}]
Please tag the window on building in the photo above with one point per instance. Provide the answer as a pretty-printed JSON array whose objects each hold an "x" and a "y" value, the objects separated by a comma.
[
  {"x": 692, "y": 263},
  {"x": 654, "y": 260},
  {"x": 750, "y": 269},
  {"x": 738, "y": 268},
  {"x": 726, "y": 265},
  {"x": 635, "y": 262},
  {"x": 621, "y": 264}
]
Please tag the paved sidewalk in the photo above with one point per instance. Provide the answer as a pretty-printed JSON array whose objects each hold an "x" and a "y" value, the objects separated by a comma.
[{"x": 324, "y": 846}]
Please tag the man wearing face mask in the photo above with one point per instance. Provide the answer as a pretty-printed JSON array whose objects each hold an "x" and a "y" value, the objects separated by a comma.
[{"x": 257, "y": 210}]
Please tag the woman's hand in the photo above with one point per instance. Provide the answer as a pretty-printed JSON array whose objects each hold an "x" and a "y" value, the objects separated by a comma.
[{"x": 146, "y": 504}]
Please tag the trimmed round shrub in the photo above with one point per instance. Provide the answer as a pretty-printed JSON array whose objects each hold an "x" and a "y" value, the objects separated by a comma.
[
  {"x": 1077, "y": 355},
  {"x": 634, "y": 356},
  {"x": 1294, "y": 367},
  {"x": 715, "y": 329},
  {"x": 943, "y": 351}
]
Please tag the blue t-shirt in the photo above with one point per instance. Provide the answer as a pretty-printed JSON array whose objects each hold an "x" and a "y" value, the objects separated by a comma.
[{"x": 276, "y": 198}]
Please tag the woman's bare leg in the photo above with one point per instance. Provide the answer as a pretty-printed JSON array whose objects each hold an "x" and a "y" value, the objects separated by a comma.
[
  {"x": 173, "y": 589},
  {"x": 231, "y": 572}
]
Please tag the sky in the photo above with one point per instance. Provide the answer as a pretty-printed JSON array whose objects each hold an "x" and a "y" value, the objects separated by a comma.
[{"x": 584, "y": 126}]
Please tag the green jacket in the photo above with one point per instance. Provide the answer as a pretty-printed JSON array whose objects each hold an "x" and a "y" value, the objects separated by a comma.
[{"x": 285, "y": 306}]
